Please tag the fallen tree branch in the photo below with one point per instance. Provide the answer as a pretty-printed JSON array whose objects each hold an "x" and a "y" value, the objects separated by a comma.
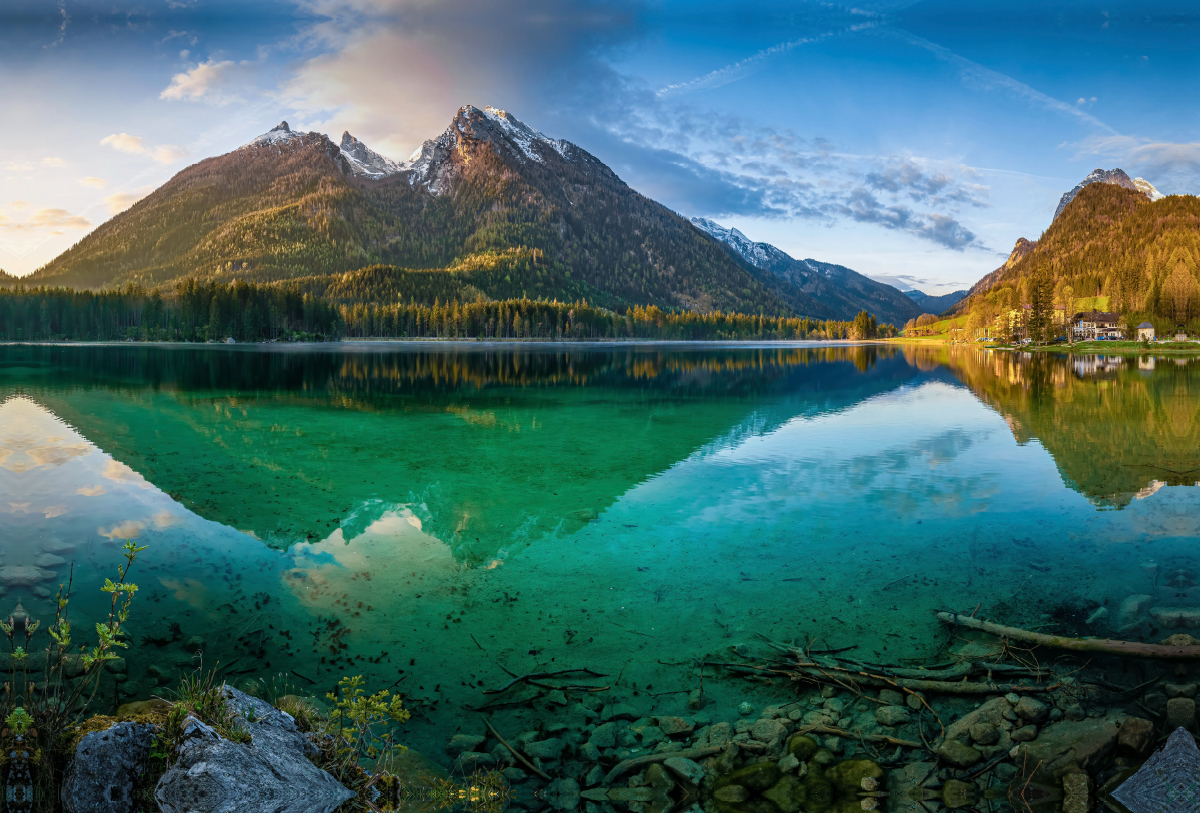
[
  {"x": 514, "y": 751},
  {"x": 837, "y": 732},
  {"x": 1106, "y": 645},
  {"x": 686, "y": 753},
  {"x": 539, "y": 675}
]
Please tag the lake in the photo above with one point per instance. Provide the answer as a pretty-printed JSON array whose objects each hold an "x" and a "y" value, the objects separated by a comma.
[{"x": 430, "y": 516}]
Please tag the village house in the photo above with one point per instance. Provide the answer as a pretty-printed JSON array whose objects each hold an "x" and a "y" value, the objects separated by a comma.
[
  {"x": 1096, "y": 325},
  {"x": 1145, "y": 332}
]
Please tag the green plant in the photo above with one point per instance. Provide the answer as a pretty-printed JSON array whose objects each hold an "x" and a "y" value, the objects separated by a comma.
[{"x": 202, "y": 696}]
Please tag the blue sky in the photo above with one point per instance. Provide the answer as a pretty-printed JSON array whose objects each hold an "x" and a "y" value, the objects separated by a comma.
[{"x": 911, "y": 141}]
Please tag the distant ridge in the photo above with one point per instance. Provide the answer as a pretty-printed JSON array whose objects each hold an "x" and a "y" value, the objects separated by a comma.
[
  {"x": 936, "y": 305},
  {"x": 814, "y": 287}
]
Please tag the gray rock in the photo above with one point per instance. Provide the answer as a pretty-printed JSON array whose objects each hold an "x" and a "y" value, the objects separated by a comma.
[
  {"x": 891, "y": 697},
  {"x": 1180, "y": 689},
  {"x": 686, "y": 769},
  {"x": 270, "y": 774},
  {"x": 959, "y": 754},
  {"x": 745, "y": 709},
  {"x": 604, "y": 736},
  {"x": 768, "y": 730},
  {"x": 1056, "y": 714},
  {"x": 594, "y": 776},
  {"x": 1181, "y": 712},
  {"x": 590, "y": 751},
  {"x": 913, "y": 702},
  {"x": 1136, "y": 735},
  {"x": 651, "y": 735},
  {"x": 1084, "y": 744},
  {"x": 464, "y": 742},
  {"x": 556, "y": 698},
  {"x": 1031, "y": 709},
  {"x": 563, "y": 794},
  {"x": 892, "y": 715},
  {"x": 720, "y": 734},
  {"x": 673, "y": 726},
  {"x": 789, "y": 763},
  {"x": 984, "y": 734},
  {"x": 1075, "y": 713},
  {"x": 549, "y": 750},
  {"x": 696, "y": 700},
  {"x": 1026, "y": 733},
  {"x": 100, "y": 777},
  {"x": 618, "y": 711}
]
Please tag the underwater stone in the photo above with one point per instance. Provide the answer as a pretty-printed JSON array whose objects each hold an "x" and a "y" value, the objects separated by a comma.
[
  {"x": 673, "y": 726},
  {"x": 556, "y": 698},
  {"x": 590, "y": 751},
  {"x": 471, "y": 761},
  {"x": 1031, "y": 709},
  {"x": 789, "y": 763},
  {"x": 696, "y": 700},
  {"x": 464, "y": 742},
  {"x": 1084, "y": 744},
  {"x": 194, "y": 644},
  {"x": 768, "y": 730},
  {"x": 1181, "y": 712},
  {"x": 101, "y": 775},
  {"x": 618, "y": 711},
  {"x": 550, "y": 749},
  {"x": 594, "y": 776},
  {"x": 913, "y": 702},
  {"x": 1135, "y": 735},
  {"x": 891, "y": 697},
  {"x": 959, "y": 754},
  {"x": 514, "y": 776},
  {"x": 1076, "y": 793},
  {"x": 1130, "y": 611},
  {"x": 1056, "y": 714},
  {"x": 720, "y": 733},
  {"x": 803, "y": 746},
  {"x": 18, "y": 576},
  {"x": 984, "y": 734},
  {"x": 1025, "y": 733},
  {"x": 1176, "y": 617},
  {"x": 892, "y": 715},
  {"x": 1075, "y": 713},
  {"x": 745, "y": 709},
  {"x": 1180, "y": 689},
  {"x": 686, "y": 769},
  {"x": 604, "y": 735}
]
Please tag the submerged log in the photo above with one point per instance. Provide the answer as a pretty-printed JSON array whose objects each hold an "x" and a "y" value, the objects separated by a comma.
[{"x": 1105, "y": 645}]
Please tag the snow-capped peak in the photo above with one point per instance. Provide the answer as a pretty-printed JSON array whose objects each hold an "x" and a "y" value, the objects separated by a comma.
[
  {"x": 365, "y": 161},
  {"x": 277, "y": 135},
  {"x": 759, "y": 255},
  {"x": 523, "y": 135},
  {"x": 1147, "y": 189}
]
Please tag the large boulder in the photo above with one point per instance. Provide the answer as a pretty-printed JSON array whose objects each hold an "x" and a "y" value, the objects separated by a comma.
[
  {"x": 100, "y": 778},
  {"x": 1084, "y": 744},
  {"x": 270, "y": 774}
]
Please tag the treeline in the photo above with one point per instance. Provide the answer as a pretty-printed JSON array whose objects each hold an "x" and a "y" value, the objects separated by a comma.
[
  {"x": 199, "y": 311},
  {"x": 194, "y": 312}
]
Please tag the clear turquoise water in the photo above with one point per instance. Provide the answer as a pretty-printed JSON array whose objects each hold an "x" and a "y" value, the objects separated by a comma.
[{"x": 463, "y": 508}]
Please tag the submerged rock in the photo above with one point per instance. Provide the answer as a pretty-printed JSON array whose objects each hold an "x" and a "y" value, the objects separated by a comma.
[
  {"x": 270, "y": 773},
  {"x": 100, "y": 778},
  {"x": 1083, "y": 744}
]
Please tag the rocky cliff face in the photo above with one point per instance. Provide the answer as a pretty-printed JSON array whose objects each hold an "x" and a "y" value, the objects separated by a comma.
[{"x": 1117, "y": 177}]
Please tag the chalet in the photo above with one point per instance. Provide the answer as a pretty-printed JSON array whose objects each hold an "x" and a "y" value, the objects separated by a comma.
[
  {"x": 1145, "y": 332},
  {"x": 1093, "y": 325}
]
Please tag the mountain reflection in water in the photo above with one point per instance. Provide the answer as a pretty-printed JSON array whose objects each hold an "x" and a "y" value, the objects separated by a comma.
[{"x": 423, "y": 515}]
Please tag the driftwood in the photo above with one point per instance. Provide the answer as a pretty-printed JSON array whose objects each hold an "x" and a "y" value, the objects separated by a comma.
[
  {"x": 1104, "y": 645},
  {"x": 539, "y": 675},
  {"x": 837, "y": 732},
  {"x": 686, "y": 753},
  {"x": 909, "y": 685},
  {"x": 514, "y": 751}
]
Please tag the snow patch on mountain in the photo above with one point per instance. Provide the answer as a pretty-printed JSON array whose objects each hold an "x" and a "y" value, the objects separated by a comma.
[
  {"x": 1117, "y": 177},
  {"x": 365, "y": 161},
  {"x": 279, "y": 134},
  {"x": 523, "y": 135},
  {"x": 760, "y": 255},
  {"x": 1147, "y": 189}
]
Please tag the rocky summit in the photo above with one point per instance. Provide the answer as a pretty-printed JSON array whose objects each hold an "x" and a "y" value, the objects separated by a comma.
[{"x": 1117, "y": 177}]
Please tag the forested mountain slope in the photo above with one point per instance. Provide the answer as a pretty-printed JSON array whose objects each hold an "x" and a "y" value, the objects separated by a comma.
[{"x": 508, "y": 210}]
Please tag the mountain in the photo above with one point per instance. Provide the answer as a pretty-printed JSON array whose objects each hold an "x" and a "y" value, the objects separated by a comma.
[
  {"x": 1110, "y": 241},
  {"x": 935, "y": 304},
  {"x": 812, "y": 287},
  {"x": 491, "y": 207},
  {"x": 1111, "y": 176},
  {"x": 7, "y": 279}
]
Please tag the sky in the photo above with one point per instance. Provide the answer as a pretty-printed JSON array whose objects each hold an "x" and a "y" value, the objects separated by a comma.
[{"x": 914, "y": 142}]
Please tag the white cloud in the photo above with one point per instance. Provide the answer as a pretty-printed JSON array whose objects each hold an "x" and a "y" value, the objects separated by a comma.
[
  {"x": 44, "y": 220},
  {"x": 1159, "y": 162},
  {"x": 207, "y": 81},
  {"x": 136, "y": 145},
  {"x": 124, "y": 142},
  {"x": 53, "y": 162},
  {"x": 95, "y": 183}
]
